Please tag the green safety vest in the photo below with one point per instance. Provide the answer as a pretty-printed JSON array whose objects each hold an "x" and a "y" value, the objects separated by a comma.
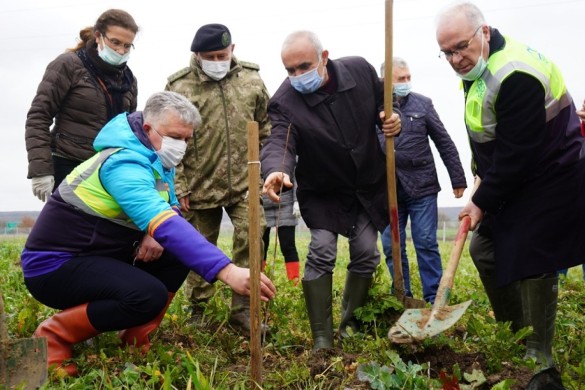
[
  {"x": 480, "y": 116},
  {"x": 83, "y": 189}
]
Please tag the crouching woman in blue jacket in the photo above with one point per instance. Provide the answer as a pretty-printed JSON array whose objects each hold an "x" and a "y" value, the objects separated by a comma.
[{"x": 110, "y": 248}]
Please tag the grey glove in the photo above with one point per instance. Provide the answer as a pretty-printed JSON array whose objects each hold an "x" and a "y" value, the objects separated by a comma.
[{"x": 42, "y": 186}]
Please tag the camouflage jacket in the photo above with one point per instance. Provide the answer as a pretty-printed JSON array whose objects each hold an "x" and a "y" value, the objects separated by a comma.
[{"x": 214, "y": 170}]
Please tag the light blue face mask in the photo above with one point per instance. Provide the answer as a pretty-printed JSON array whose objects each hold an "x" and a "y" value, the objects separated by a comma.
[
  {"x": 402, "y": 89},
  {"x": 111, "y": 56},
  {"x": 307, "y": 82},
  {"x": 478, "y": 69}
]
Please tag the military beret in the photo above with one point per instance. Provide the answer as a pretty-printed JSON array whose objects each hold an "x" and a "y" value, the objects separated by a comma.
[{"x": 211, "y": 37}]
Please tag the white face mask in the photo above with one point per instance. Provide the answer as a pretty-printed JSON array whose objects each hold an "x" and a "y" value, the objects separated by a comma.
[
  {"x": 171, "y": 151},
  {"x": 111, "y": 56},
  {"x": 216, "y": 69}
]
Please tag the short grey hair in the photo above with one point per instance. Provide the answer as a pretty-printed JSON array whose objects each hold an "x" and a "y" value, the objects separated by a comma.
[
  {"x": 160, "y": 104},
  {"x": 397, "y": 62},
  {"x": 303, "y": 34},
  {"x": 471, "y": 11}
]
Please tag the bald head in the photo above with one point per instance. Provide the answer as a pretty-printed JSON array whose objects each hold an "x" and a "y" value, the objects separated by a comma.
[
  {"x": 302, "y": 39},
  {"x": 459, "y": 12},
  {"x": 301, "y": 52}
]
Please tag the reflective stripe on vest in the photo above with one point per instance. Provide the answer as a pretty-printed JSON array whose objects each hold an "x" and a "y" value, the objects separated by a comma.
[
  {"x": 480, "y": 115},
  {"x": 83, "y": 189}
]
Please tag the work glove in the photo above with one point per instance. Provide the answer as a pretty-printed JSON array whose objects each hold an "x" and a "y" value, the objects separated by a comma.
[
  {"x": 42, "y": 186},
  {"x": 296, "y": 210}
]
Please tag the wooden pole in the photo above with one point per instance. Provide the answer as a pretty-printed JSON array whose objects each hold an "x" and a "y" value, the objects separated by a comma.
[
  {"x": 255, "y": 255},
  {"x": 398, "y": 277}
]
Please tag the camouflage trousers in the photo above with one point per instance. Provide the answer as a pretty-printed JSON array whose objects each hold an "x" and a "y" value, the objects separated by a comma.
[{"x": 208, "y": 223}]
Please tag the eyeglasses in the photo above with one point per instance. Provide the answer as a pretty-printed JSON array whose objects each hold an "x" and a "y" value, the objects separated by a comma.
[
  {"x": 117, "y": 44},
  {"x": 448, "y": 55}
]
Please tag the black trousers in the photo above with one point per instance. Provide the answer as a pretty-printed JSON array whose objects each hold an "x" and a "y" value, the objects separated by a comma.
[
  {"x": 62, "y": 167},
  {"x": 286, "y": 241},
  {"x": 121, "y": 295}
]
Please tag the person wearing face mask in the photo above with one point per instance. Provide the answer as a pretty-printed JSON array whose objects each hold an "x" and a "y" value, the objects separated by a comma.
[
  {"x": 325, "y": 114},
  {"x": 417, "y": 184},
  {"x": 213, "y": 176},
  {"x": 110, "y": 247},
  {"x": 81, "y": 90},
  {"x": 527, "y": 150}
]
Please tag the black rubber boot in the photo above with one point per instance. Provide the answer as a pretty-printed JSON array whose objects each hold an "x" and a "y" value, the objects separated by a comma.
[
  {"x": 318, "y": 300},
  {"x": 539, "y": 304},
  {"x": 355, "y": 295}
]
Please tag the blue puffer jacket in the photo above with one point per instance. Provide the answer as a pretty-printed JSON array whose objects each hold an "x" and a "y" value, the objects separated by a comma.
[
  {"x": 64, "y": 231},
  {"x": 415, "y": 165}
]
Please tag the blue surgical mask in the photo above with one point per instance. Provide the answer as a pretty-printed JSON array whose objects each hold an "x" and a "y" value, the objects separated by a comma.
[
  {"x": 111, "y": 56},
  {"x": 478, "y": 69},
  {"x": 307, "y": 82},
  {"x": 402, "y": 89}
]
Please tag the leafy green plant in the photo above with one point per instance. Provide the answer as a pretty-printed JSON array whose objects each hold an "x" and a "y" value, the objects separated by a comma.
[
  {"x": 399, "y": 375},
  {"x": 211, "y": 355}
]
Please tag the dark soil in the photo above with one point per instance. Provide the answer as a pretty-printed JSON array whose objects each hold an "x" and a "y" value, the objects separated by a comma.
[
  {"x": 443, "y": 358},
  {"x": 438, "y": 359}
]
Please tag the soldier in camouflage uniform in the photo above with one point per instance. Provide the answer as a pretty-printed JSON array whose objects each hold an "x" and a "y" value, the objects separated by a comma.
[{"x": 213, "y": 175}]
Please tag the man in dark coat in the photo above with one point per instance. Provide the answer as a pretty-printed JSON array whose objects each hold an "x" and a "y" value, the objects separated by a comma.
[
  {"x": 417, "y": 184},
  {"x": 528, "y": 151},
  {"x": 326, "y": 114}
]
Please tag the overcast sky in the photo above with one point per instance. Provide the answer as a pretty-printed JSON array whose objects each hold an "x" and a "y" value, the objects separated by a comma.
[{"x": 34, "y": 32}]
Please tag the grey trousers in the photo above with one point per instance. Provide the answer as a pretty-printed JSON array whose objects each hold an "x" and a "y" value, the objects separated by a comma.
[{"x": 364, "y": 256}]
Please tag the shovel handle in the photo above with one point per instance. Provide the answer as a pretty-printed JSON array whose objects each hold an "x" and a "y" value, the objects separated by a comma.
[
  {"x": 446, "y": 283},
  {"x": 398, "y": 277}
]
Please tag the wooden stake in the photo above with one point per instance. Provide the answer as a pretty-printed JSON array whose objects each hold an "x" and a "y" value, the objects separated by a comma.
[{"x": 255, "y": 255}]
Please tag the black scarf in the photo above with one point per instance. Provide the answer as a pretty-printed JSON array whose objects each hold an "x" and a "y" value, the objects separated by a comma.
[{"x": 114, "y": 80}]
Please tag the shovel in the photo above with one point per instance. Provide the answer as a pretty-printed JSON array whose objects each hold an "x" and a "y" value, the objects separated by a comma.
[
  {"x": 23, "y": 363},
  {"x": 398, "y": 277},
  {"x": 417, "y": 324}
]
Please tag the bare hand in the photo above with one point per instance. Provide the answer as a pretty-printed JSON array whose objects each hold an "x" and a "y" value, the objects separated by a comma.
[
  {"x": 238, "y": 279},
  {"x": 458, "y": 192},
  {"x": 391, "y": 126},
  {"x": 184, "y": 202},
  {"x": 474, "y": 212},
  {"x": 148, "y": 250},
  {"x": 274, "y": 183}
]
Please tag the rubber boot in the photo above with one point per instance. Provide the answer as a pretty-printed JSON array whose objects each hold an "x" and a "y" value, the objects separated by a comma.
[
  {"x": 292, "y": 271},
  {"x": 198, "y": 311},
  {"x": 138, "y": 335},
  {"x": 240, "y": 315},
  {"x": 355, "y": 295},
  {"x": 506, "y": 302},
  {"x": 318, "y": 299},
  {"x": 62, "y": 331},
  {"x": 539, "y": 303}
]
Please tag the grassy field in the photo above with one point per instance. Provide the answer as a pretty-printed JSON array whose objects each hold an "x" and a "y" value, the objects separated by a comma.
[{"x": 477, "y": 353}]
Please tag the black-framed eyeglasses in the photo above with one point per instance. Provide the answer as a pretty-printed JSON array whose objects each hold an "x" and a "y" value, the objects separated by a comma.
[
  {"x": 448, "y": 55},
  {"x": 117, "y": 44}
]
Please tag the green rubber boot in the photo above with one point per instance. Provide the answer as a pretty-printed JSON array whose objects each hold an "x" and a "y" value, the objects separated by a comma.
[
  {"x": 318, "y": 299},
  {"x": 355, "y": 295}
]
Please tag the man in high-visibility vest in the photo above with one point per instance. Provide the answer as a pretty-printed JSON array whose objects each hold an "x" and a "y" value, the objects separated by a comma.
[{"x": 527, "y": 150}]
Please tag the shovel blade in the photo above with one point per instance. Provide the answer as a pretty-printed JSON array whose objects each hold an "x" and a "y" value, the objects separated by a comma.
[
  {"x": 24, "y": 363},
  {"x": 417, "y": 324}
]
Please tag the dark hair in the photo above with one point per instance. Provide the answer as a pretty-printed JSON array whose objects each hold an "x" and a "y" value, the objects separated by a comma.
[{"x": 111, "y": 17}]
